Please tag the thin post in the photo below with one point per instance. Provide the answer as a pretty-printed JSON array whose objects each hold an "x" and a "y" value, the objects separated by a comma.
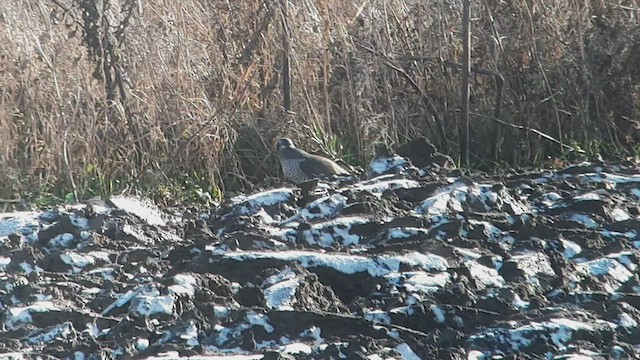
[
  {"x": 466, "y": 71},
  {"x": 286, "y": 49}
]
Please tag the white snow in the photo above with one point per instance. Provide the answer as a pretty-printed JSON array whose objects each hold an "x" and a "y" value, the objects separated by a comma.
[
  {"x": 382, "y": 165},
  {"x": 425, "y": 261},
  {"x": 315, "y": 333},
  {"x": 519, "y": 304},
  {"x": 225, "y": 356},
  {"x": 142, "y": 344},
  {"x": 484, "y": 275},
  {"x": 559, "y": 330},
  {"x": 378, "y": 187},
  {"x": 147, "y": 305},
  {"x": 549, "y": 199},
  {"x": 220, "y": 311},
  {"x": 137, "y": 233},
  {"x": 190, "y": 334},
  {"x": 281, "y": 289},
  {"x": 105, "y": 272},
  {"x": 476, "y": 355},
  {"x": 13, "y": 356},
  {"x": 406, "y": 352},
  {"x": 626, "y": 321},
  {"x": 184, "y": 284},
  {"x": 406, "y": 232},
  {"x": 142, "y": 208},
  {"x": 15, "y": 222},
  {"x": 438, "y": 313},
  {"x": 377, "y": 316},
  {"x": 64, "y": 240},
  {"x": 51, "y": 333},
  {"x": 327, "y": 233},
  {"x": 584, "y": 219},
  {"x": 611, "y": 271},
  {"x": 620, "y": 215},
  {"x": 28, "y": 268},
  {"x": 534, "y": 263},
  {"x": 22, "y": 315},
  {"x": 610, "y": 178},
  {"x": 77, "y": 260},
  {"x": 587, "y": 196},
  {"x": 321, "y": 208},
  {"x": 467, "y": 254},
  {"x": 412, "y": 276},
  {"x": 348, "y": 264},
  {"x": 571, "y": 249},
  {"x": 439, "y": 203},
  {"x": 259, "y": 319},
  {"x": 631, "y": 234},
  {"x": 263, "y": 199},
  {"x": 490, "y": 230},
  {"x": 79, "y": 221},
  {"x": 296, "y": 348},
  {"x": 420, "y": 281}
]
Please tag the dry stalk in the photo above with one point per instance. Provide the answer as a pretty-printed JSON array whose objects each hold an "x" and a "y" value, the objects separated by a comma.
[{"x": 190, "y": 89}]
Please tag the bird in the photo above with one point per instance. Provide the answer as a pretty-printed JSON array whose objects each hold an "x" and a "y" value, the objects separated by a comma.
[{"x": 299, "y": 166}]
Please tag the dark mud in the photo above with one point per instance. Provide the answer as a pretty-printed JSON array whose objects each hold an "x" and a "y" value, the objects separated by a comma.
[{"x": 416, "y": 262}]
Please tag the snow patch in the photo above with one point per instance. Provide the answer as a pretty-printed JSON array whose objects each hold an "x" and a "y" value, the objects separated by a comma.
[
  {"x": 381, "y": 166},
  {"x": 378, "y": 187},
  {"x": 185, "y": 284},
  {"x": 16, "y": 222},
  {"x": 262, "y": 199},
  {"x": 281, "y": 289},
  {"x": 22, "y": 315},
  {"x": 142, "y": 208},
  {"x": 484, "y": 275},
  {"x": 406, "y": 352},
  {"x": 348, "y": 264},
  {"x": 612, "y": 273},
  {"x": 558, "y": 330},
  {"x": 147, "y": 305},
  {"x": 327, "y": 233}
]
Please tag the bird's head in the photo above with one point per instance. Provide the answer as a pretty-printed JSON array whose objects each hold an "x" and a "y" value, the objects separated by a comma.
[{"x": 285, "y": 143}]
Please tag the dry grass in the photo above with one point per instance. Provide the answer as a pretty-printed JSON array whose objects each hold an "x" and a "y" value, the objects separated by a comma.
[{"x": 192, "y": 89}]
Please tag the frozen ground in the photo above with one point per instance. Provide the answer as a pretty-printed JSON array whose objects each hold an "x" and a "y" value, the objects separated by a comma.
[{"x": 406, "y": 265}]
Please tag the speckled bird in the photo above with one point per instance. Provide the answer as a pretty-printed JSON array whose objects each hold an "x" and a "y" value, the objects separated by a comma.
[{"x": 299, "y": 166}]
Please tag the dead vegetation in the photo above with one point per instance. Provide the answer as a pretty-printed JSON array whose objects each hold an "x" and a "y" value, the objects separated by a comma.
[{"x": 100, "y": 95}]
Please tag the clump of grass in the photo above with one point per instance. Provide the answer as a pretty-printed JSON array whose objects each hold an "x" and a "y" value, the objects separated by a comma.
[{"x": 99, "y": 97}]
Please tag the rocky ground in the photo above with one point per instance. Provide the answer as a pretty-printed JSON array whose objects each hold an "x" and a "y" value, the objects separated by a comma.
[{"x": 405, "y": 263}]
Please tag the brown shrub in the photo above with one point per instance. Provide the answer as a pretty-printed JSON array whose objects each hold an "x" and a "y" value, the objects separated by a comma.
[{"x": 154, "y": 91}]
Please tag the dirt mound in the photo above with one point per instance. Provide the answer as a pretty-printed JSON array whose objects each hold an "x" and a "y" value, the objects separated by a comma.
[{"x": 408, "y": 264}]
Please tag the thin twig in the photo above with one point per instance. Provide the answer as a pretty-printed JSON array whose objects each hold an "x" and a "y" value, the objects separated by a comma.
[
  {"x": 474, "y": 69},
  {"x": 624, "y": 7},
  {"x": 427, "y": 100},
  {"x": 535, "y": 131},
  {"x": 10, "y": 201},
  {"x": 252, "y": 44},
  {"x": 543, "y": 73},
  {"x": 67, "y": 165}
]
